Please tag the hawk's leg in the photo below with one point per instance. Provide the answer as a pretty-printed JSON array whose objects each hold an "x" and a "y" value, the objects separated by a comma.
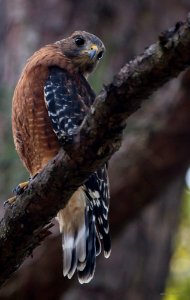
[
  {"x": 18, "y": 190},
  {"x": 9, "y": 201}
]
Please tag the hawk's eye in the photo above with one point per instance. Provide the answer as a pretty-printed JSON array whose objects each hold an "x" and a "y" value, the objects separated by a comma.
[
  {"x": 100, "y": 54},
  {"x": 79, "y": 41}
]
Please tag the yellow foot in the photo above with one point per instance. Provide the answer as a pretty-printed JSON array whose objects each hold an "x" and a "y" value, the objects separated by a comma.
[
  {"x": 9, "y": 201},
  {"x": 19, "y": 189}
]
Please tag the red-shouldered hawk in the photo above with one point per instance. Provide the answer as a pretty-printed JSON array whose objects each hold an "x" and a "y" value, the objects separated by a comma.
[{"x": 50, "y": 102}]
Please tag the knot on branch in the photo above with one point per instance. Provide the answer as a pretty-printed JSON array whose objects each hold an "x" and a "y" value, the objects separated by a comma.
[{"x": 167, "y": 37}]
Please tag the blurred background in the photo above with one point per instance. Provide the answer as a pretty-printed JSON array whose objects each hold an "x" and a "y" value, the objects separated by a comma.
[{"x": 150, "y": 200}]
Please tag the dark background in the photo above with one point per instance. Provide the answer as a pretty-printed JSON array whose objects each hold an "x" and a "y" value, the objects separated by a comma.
[{"x": 149, "y": 168}]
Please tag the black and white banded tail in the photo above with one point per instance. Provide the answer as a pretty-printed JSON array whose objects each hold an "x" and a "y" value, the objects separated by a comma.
[{"x": 96, "y": 221}]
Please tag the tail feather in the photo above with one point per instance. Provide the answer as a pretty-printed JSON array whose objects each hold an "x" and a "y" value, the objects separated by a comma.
[
  {"x": 68, "y": 246},
  {"x": 103, "y": 229},
  {"x": 98, "y": 243},
  {"x": 97, "y": 192},
  {"x": 72, "y": 225},
  {"x": 73, "y": 264},
  {"x": 87, "y": 273},
  {"x": 80, "y": 244},
  {"x": 84, "y": 224}
]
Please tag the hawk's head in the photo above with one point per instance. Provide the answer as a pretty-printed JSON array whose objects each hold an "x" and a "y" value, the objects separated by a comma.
[{"x": 83, "y": 49}]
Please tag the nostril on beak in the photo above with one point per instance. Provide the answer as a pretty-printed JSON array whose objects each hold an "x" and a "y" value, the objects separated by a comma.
[
  {"x": 93, "y": 50},
  {"x": 92, "y": 53}
]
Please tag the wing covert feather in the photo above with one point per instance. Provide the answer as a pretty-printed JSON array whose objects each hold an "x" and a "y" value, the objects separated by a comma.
[{"x": 68, "y": 98}]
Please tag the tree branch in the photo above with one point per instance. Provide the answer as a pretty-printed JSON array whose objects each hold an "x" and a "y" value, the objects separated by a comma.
[
  {"x": 141, "y": 169},
  {"x": 155, "y": 151},
  {"x": 21, "y": 229}
]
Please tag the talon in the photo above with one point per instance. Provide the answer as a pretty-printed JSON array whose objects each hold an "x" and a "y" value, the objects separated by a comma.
[
  {"x": 9, "y": 201},
  {"x": 19, "y": 189}
]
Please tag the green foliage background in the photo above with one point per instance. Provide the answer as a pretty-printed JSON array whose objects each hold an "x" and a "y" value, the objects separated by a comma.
[{"x": 178, "y": 285}]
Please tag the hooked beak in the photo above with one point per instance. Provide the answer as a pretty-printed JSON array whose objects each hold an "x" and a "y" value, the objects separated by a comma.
[{"x": 92, "y": 51}]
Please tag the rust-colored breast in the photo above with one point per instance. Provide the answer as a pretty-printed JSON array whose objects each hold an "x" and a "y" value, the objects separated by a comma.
[{"x": 33, "y": 135}]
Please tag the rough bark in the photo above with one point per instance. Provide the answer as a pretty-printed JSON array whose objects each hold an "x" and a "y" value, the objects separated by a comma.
[
  {"x": 21, "y": 228},
  {"x": 155, "y": 151}
]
